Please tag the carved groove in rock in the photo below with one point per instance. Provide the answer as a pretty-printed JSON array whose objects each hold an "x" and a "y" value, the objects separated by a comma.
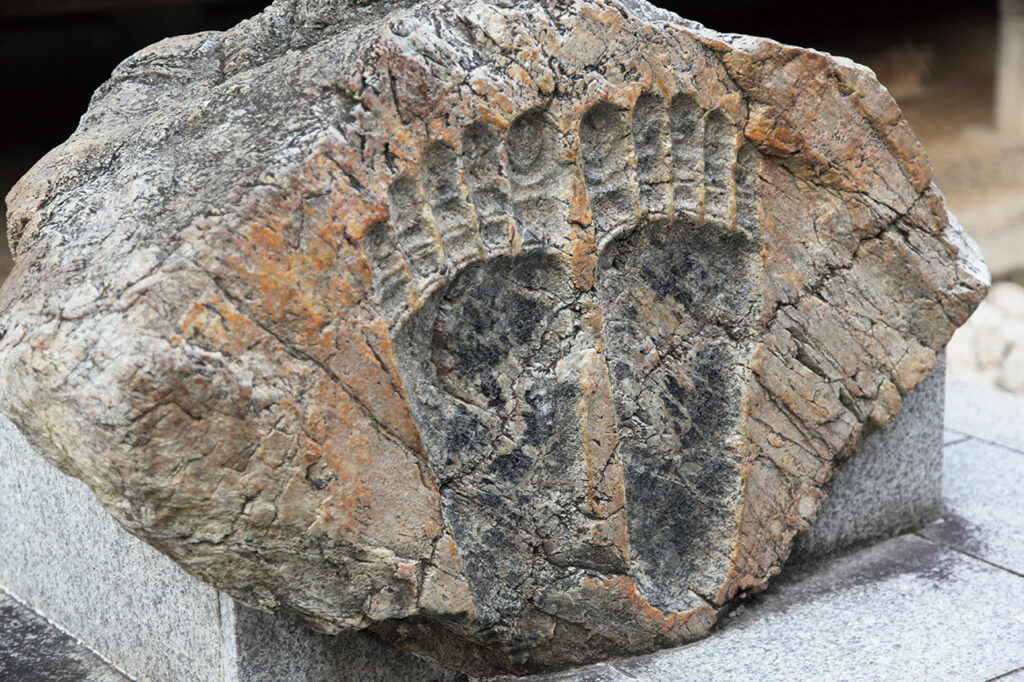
[
  {"x": 498, "y": 353},
  {"x": 653, "y": 151},
  {"x": 686, "y": 121},
  {"x": 447, "y": 198},
  {"x": 484, "y": 168},
  {"x": 538, "y": 178},
  {"x": 608, "y": 159}
]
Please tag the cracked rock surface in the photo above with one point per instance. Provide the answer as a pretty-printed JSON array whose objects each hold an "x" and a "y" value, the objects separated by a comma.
[{"x": 523, "y": 334}]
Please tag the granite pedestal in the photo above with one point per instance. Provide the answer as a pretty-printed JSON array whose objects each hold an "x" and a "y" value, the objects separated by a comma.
[
  {"x": 63, "y": 556},
  {"x": 892, "y": 484}
]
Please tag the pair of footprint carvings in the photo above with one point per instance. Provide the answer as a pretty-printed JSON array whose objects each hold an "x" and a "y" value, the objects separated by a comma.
[
  {"x": 513, "y": 369},
  {"x": 537, "y": 344}
]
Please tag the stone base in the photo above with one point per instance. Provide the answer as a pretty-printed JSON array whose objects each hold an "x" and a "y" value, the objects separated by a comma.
[
  {"x": 67, "y": 559},
  {"x": 892, "y": 484}
]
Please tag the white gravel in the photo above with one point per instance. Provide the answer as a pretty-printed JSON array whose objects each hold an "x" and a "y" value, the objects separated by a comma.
[{"x": 989, "y": 348}]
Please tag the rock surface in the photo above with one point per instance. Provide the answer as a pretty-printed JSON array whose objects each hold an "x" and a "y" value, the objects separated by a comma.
[{"x": 521, "y": 333}]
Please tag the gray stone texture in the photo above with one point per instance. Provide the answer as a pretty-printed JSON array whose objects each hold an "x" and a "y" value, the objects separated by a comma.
[
  {"x": 33, "y": 650},
  {"x": 985, "y": 413},
  {"x": 904, "y": 609},
  {"x": 946, "y": 604},
  {"x": 591, "y": 673},
  {"x": 970, "y": 522},
  {"x": 894, "y": 482},
  {"x": 950, "y": 436},
  {"x": 68, "y": 559},
  {"x": 133, "y": 605},
  {"x": 900, "y": 610},
  {"x": 271, "y": 647}
]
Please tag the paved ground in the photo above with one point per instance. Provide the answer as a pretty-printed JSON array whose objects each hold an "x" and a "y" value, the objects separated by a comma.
[
  {"x": 32, "y": 650},
  {"x": 944, "y": 602}
]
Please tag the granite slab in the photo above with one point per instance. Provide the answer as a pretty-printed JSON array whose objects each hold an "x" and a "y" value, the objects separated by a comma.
[
  {"x": 984, "y": 503},
  {"x": 33, "y": 650},
  {"x": 904, "y": 609},
  {"x": 985, "y": 413},
  {"x": 66, "y": 557},
  {"x": 69, "y": 560}
]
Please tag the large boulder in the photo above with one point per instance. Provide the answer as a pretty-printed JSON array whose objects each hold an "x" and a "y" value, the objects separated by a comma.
[{"x": 521, "y": 333}]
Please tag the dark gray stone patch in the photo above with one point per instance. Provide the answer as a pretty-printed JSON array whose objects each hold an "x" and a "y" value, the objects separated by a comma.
[
  {"x": 32, "y": 650},
  {"x": 502, "y": 430},
  {"x": 677, "y": 380},
  {"x": 272, "y": 647}
]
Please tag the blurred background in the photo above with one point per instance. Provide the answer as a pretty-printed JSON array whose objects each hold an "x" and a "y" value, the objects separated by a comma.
[{"x": 940, "y": 60}]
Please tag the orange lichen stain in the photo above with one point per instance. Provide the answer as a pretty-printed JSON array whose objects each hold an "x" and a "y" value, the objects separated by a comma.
[
  {"x": 579, "y": 207},
  {"x": 446, "y": 554},
  {"x": 343, "y": 443},
  {"x": 362, "y": 357},
  {"x": 777, "y": 244},
  {"x": 605, "y": 486},
  {"x": 584, "y": 259},
  {"x": 219, "y": 325},
  {"x": 520, "y": 74},
  {"x": 498, "y": 119},
  {"x": 544, "y": 80},
  {"x": 625, "y": 588},
  {"x": 496, "y": 97},
  {"x": 622, "y": 95},
  {"x": 310, "y": 282},
  {"x": 611, "y": 19},
  {"x": 379, "y": 495},
  {"x": 407, "y": 570},
  {"x": 416, "y": 89},
  {"x": 768, "y": 503},
  {"x": 355, "y": 199},
  {"x": 769, "y": 130},
  {"x": 194, "y": 319}
]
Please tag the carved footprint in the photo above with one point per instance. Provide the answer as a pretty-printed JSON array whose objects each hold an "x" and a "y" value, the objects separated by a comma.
[{"x": 545, "y": 406}]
